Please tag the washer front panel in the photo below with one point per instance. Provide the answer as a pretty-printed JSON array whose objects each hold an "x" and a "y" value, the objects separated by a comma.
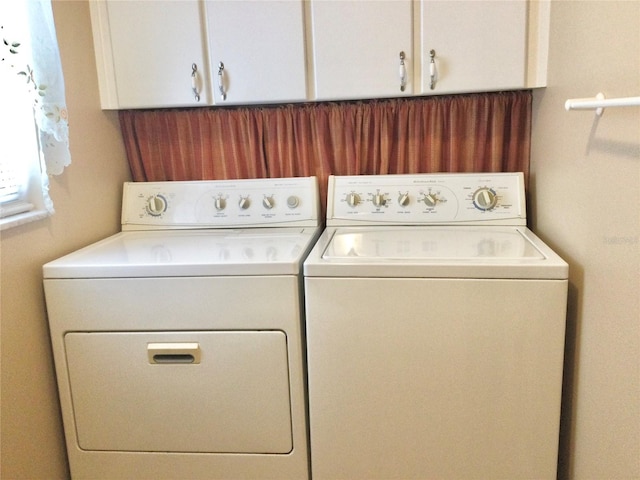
[{"x": 427, "y": 199}]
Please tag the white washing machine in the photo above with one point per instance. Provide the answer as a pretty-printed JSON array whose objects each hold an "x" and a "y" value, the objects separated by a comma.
[
  {"x": 435, "y": 332},
  {"x": 178, "y": 342}
]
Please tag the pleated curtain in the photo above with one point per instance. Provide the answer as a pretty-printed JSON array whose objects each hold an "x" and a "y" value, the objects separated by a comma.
[{"x": 487, "y": 132}]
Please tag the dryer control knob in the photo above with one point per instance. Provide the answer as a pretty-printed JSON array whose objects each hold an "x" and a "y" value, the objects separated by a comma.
[
  {"x": 156, "y": 205},
  {"x": 403, "y": 199},
  {"x": 485, "y": 199},
  {"x": 353, "y": 199},
  {"x": 220, "y": 203},
  {"x": 244, "y": 203},
  {"x": 268, "y": 202},
  {"x": 293, "y": 201}
]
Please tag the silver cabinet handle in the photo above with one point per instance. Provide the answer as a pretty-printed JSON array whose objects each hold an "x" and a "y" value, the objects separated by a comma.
[
  {"x": 195, "y": 84},
  {"x": 403, "y": 73},
  {"x": 223, "y": 94},
  {"x": 432, "y": 69}
]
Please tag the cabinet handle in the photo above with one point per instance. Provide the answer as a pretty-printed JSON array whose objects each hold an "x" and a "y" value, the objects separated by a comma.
[
  {"x": 194, "y": 82},
  {"x": 432, "y": 69},
  {"x": 403, "y": 73},
  {"x": 223, "y": 94}
]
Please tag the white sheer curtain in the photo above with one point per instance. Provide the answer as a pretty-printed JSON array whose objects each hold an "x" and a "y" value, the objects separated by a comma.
[
  {"x": 47, "y": 83},
  {"x": 31, "y": 50},
  {"x": 35, "y": 130}
]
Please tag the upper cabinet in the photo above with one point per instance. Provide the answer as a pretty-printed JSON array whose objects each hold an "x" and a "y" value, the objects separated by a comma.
[
  {"x": 361, "y": 49},
  {"x": 257, "y": 50},
  {"x": 150, "y": 53},
  {"x": 471, "y": 45},
  {"x": 177, "y": 53}
]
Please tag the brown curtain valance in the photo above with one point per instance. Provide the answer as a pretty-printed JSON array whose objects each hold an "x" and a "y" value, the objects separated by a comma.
[{"x": 488, "y": 132}]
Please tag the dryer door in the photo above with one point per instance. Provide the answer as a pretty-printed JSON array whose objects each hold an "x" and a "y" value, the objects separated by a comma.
[{"x": 213, "y": 392}]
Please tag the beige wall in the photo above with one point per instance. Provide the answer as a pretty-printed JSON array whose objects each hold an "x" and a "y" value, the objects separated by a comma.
[
  {"x": 87, "y": 200},
  {"x": 586, "y": 203}
]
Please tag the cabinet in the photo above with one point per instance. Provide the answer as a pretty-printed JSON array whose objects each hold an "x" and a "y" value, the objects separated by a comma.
[
  {"x": 173, "y": 53},
  {"x": 257, "y": 51},
  {"x": 470, "y": 46},
  {"x": 356, "y": 48},
  {"x": 150, "y": 54}
]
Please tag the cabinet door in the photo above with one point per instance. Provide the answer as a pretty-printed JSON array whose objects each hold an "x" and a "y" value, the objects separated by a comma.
[
  {"x": 147, "y": 52},
  {"x": 357, "y": 45},
  {"x": 257, "y": 50},
  {"x": 477, "y": 45}
]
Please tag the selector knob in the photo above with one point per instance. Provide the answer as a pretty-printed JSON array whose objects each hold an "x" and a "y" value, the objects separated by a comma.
[
  {"x": 403, "y": 199},
  {"x": 244, "y": 203},
  {"x": 156, "y": 205},
  {"x": 220, "y": 203},
  {"x": 268, "y": 203},
  {"x": 379, "y": 200},
  {"x": 353, "y": 199},
  {"x": 430, "y": 200},
  {"x": 485, "y": 199}
]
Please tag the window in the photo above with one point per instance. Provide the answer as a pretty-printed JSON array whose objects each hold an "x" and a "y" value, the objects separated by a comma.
[{"x": 33, "y": 122}]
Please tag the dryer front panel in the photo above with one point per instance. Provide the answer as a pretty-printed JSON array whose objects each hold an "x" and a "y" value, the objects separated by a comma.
[{"x": 206, "y": 392}]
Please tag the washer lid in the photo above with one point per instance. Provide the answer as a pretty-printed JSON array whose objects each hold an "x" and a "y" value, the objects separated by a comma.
[
  {"x": 449, "y": 252},
  {"x": 185, "y": 253}
]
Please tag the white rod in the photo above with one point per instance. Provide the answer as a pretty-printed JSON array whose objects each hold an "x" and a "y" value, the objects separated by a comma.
[{"x": 599, "y": 101}]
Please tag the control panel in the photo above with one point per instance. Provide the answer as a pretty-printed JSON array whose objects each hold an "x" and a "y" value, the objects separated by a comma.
[
  {"x": 220, "y": 203},
  {"x": 440, "y": 198}
]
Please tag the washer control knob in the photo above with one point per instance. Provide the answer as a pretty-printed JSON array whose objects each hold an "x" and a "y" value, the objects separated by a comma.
[
  {"x": 485, "y": 199},
  {"x": 430, "y": 200},
  {"x": 353, "y": 199},
  {"x": 379, "y": 200},
  {"x": 293, "y": 201},
  {"x": 244, "y": 203},
  {"x": 403, "y": 199},
  {"x": 156, "y": 205},
  {"x": 268, "y": 202},
  {"x": 220, "y": 203}
]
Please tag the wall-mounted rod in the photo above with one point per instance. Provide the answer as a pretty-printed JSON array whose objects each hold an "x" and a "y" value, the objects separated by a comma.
[{"x": 599, "y": 103}]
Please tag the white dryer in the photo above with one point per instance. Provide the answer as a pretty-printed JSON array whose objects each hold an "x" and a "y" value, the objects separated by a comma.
[
  {"x": 435, "y": 332},
  {"x": 178, "y": 343}
]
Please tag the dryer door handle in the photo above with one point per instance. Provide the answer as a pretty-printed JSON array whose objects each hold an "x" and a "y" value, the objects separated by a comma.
[{"x": 173, "y": 353}]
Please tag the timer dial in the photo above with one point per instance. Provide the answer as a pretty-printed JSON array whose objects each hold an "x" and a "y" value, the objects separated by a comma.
[
  {"x": 156, "y": 205},
  {"x": 485, "y": 199}
]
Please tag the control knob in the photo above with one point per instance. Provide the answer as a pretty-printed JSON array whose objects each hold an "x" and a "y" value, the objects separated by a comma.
[
  {"x": 220, "y": 203},
  {"x": 156, "y": 205},
  {"x": 244, "y": 203},
  {"x": 485, "y": 199},
  {"x": 430, "y": 200},
  {"x": 403, "y": 199},
  {"x": 379, "y": 200},
  {"x": 353, "y": 199},
  {"x": 268, "y": 202}
]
